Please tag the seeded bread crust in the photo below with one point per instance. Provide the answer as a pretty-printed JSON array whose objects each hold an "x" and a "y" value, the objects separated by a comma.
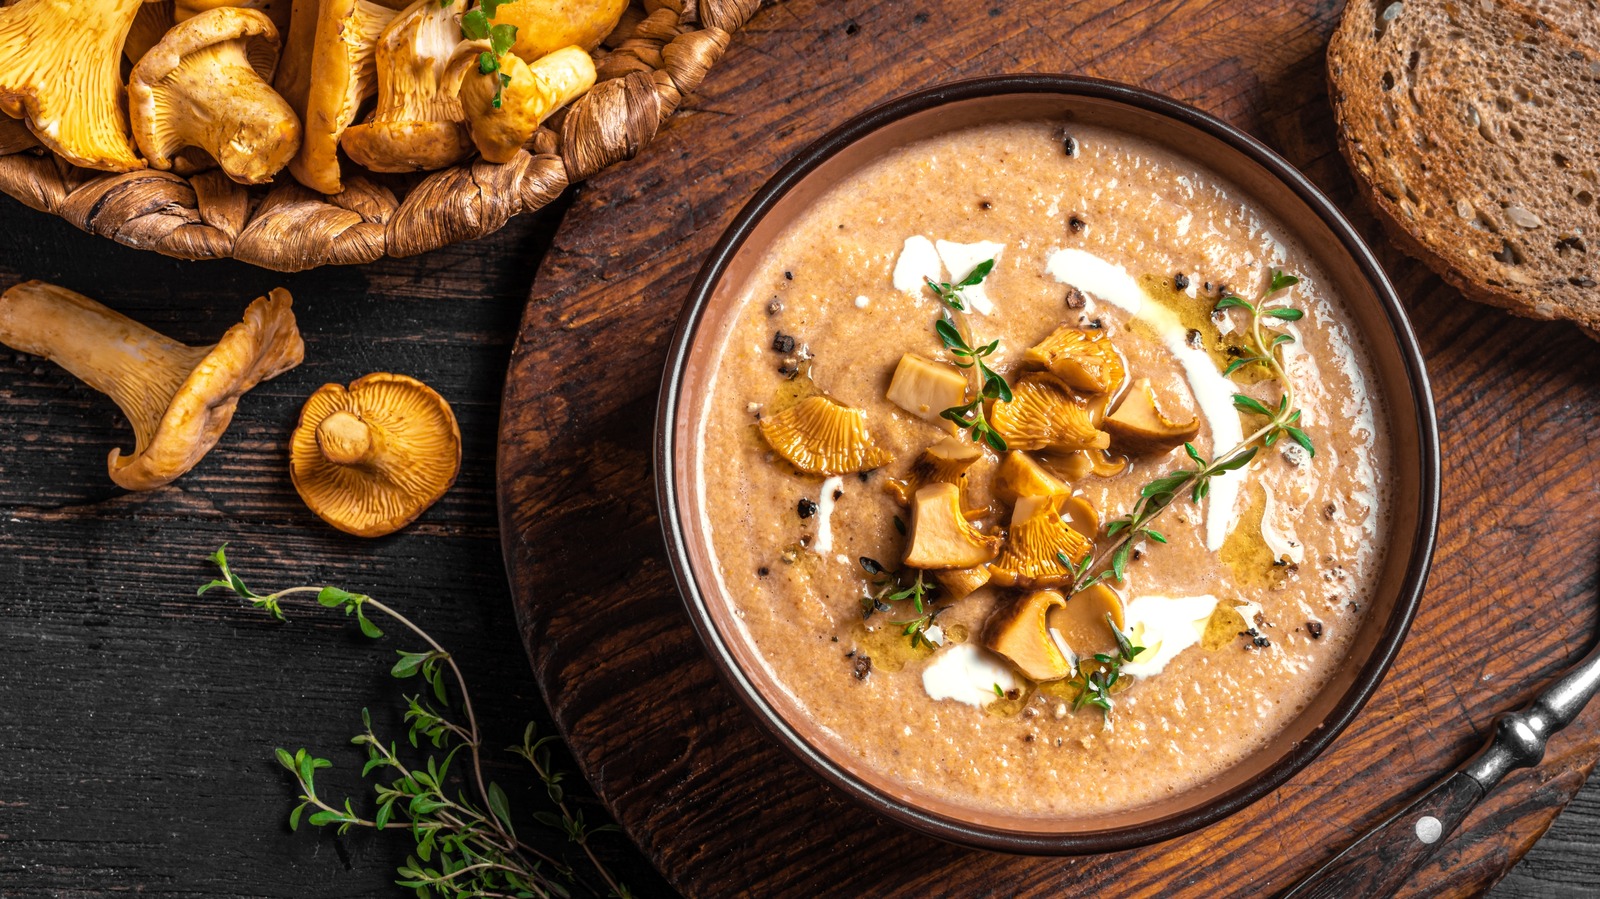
[{"x": 1474, "y": 127}]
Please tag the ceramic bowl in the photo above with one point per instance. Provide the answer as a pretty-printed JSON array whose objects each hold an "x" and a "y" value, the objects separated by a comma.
[{"x": 1276, "y": 187}]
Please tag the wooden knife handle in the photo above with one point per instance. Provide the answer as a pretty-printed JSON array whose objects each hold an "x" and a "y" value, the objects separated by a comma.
[{"x": 1378, "y": 864}]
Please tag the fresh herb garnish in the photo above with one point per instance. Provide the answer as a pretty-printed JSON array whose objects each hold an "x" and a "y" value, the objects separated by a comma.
[
  {"x": 475, "y": 27},
  {"x": 888, "y": 588},
  {"x": 1094, "y": 687},
  {"x": 991, "y": 387},
  {"x": 463, "y": 847},
  {"x": 1156, "y": 496}
]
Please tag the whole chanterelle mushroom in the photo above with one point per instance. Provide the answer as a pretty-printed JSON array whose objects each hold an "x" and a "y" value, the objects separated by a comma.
[
  {"x": 371, "y": 458},
  {"x": 178, "y": 398},
  {"x": 206, "y": 85},
  {"x": 535, "y": 91},
  {"x": 60, "y": 70},
  {"x": 418, "y": 124},
  {"x": 328, "y": 69},
  {"x": 545, "y": 26}
]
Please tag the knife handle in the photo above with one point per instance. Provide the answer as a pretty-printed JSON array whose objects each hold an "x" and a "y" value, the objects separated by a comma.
[{"x": 1386, "y": 857}]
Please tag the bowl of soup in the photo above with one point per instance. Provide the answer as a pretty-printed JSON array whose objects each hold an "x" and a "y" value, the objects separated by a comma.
[{"x": 1047, "y": 464}]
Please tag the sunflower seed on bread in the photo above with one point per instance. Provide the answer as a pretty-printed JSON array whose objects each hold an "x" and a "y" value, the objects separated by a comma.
[{"x": 1473, "y": 127}]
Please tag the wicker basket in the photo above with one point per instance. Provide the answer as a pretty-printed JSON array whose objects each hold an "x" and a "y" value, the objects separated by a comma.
[{"x": 659, "y": 51}]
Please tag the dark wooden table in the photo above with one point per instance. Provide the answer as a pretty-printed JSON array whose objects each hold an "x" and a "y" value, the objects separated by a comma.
[{"x": 137, "y": 721}]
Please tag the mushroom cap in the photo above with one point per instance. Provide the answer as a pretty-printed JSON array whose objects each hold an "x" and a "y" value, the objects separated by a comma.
[
  {"x": 213, "y": 26},
  {"x": 544, "y": 26},
  {"x": 276, "y": 10},
  {"x": 342, "y": 72},
  {"x": 536, "y": 90},
  {"x": 60, "y": 69},
  {"x": 370, "y": 458},
  {"x": 265, "y": 344}
]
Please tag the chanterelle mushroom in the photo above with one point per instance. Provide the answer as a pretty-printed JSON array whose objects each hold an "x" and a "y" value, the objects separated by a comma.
[
  {"x": 178, "y": 398},
  {"x": 418, "y": 125},
  {"x": 59, "y": 69},
  {"x": 544, "y": 26},
  {"x": 328, "y": 68},
  {"x": 371, "y": 458},
  {"x": 206, "y": 85},
  {"x": 533, "y": 92}
]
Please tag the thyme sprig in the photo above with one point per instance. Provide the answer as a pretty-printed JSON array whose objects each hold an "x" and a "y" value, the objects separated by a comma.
[
  {"x": 1094, "y": 687},
  {"x": 463, "y": 847},
  {"x": 1265, "y": 349},
  {"x": 888, "y": 589},
  {"x": 970, "y": 355}
]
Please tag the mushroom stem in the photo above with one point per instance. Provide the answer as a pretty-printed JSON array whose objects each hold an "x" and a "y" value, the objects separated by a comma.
[
  {"x": 347, "y": 440},
  {"x": 139, "y": 369}
]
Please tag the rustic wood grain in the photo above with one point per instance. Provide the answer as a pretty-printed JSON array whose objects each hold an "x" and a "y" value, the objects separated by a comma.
[
  {"x": 137, "y": 721},
  {"x": 719, "y": 808}
]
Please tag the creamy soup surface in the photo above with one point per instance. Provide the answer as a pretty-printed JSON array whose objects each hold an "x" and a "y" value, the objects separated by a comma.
[{"x": 1245, "y": 612}]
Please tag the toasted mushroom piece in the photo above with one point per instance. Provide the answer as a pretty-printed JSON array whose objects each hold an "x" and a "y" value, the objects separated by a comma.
[
  {"x": 1020, "y": 476},
  {"x": 531, "y": 94},
  {"x": 926, "y": 388},
  {"x": 1021, "y": 633},
  {"x": 1081, "y": 622},
  {"x": 418, "y": 124},
  {"x": 819, "y": 435},
  {"x": 1043, "y": 414},
  {"x": 60, "y": 69},
  {"x": 326, "y": 77},
  {"x": 206, "y": 85},
  {"x": 1137, "y": 426},
  {"x": 544, "y": 26},
  {"x": 1038, "y": 540},
  {"x": 945, "y": 462},
  {"x": 178, "y": 398},
  {"x": 371, "y": 458},
  {"x": 941, "y": 537},
  {"x": 959, "y": 583},
  {"x": 1085, "y": 359}
]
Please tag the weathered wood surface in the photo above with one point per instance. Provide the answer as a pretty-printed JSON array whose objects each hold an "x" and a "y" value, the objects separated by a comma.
[
  {"x": 137, "y": 721},
  {"x": 722, "y": 810}
]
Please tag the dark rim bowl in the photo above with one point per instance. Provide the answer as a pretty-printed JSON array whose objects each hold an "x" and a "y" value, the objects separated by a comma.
[{"x": 1276, "y": 187}]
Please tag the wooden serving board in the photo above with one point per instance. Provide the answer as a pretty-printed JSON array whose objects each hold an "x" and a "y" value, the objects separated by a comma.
[{"x": 722, "y": 810}]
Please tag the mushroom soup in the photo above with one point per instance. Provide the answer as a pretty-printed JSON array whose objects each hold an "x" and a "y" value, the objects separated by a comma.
[{"x": 1040, "y": 470}]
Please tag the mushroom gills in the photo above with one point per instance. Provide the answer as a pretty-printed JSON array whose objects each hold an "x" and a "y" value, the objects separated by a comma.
[
  {"x": 820, "y": 435},
  {"x": 1021, "y": 633},
  {"x": 1038, "y": 540},
  {"x": 945, "y": 462},
  {"x": 419, "y": 124},
  {"x": 940, "y": 536},
  {"x": 1085, "y": 359},
  {"x": 1044, "y": 415},
  {"x": 926, "y": 388},
  {"x": 1138, "y": 426}
]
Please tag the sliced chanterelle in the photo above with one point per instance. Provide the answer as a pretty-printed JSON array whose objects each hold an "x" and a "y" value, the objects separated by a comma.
[
  {"x": 329, "y": 67},
  {"x": 178, "y": 398},
  {"x": 926, "y": 388},
  {"x": 1021, "y": 475},
  {"x": 418, "y": 124},
  {"x": 206, "y": 85},
  {"x": 941, "y": 537},
  {"x": 370, "y": 458},
  {"x": 60, "y": 70},
  {"x": 1137, "y": 426},
  {"x": 1021, "y": 633},
  {"x": 959, "y": 583},
  {"x": 1044, "y": 415},
  {"x": 544, "y": 26},
  {"x": 1081, "y": 622},
  {"x": 1084, "y": 358},
  {"x": 820, "y": 435},
  {"x": 531, "y": 93},
  {"x": 945, "y": 462},
  {"x": 1038, "y": 540}
]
